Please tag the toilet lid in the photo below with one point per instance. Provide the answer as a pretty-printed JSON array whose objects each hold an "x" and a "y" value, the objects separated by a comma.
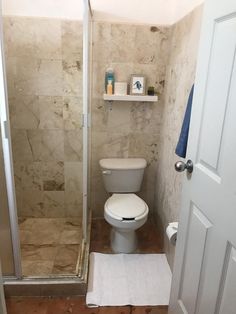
[{"x": 126, "y": 206}]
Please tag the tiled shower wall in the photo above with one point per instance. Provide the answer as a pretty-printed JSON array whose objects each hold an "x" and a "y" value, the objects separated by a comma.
[
  {"x": 127, "y": 129},
  {"x": 180, "y": 74},
  {"x": 44, "y": 77}
]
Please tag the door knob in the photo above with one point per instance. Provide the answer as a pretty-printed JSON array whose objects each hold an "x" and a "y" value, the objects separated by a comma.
[{"x": 181, "y": 166}]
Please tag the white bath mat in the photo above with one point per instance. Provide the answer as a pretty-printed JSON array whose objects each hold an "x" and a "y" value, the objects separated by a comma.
[{"x": 128, "y": 279}]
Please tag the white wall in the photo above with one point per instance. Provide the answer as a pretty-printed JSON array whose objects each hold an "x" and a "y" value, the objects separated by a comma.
[
  {"x": 164, "y": 12},
  {"x": 68, "y": 9}
]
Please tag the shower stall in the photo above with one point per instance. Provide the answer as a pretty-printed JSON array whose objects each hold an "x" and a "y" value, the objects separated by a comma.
[{"x": 44, "y": 157}]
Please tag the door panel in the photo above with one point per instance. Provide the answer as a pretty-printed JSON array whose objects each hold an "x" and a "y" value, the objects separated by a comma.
[
  {"x": 227, "y": 292},
  {"x": 194, "y": 253},
  {"x": 217, "y": 92},
  {"x": 204, "y": 279}
]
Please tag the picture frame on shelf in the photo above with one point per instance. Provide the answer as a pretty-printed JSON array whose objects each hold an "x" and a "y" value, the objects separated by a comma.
[{"x": 137, "y": 84}]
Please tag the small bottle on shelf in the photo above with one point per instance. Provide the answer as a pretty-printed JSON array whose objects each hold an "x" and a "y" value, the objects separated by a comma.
[
  {"x": 109, "y": 76},
  {"x": 109, "y": 88}
]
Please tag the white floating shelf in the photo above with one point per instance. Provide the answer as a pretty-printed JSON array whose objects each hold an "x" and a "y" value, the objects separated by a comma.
[{"x": 145, "y": 98}]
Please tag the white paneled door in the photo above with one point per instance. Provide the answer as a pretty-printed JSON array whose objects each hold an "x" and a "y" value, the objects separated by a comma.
[{"x": 204, "y": 278}]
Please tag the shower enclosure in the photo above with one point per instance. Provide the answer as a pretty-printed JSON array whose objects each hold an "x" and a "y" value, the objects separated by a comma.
[{"x": 44, "y": 157}]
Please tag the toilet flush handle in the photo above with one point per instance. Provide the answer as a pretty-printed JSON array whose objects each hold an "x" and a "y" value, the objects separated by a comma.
[{"x": 106, "y": 172}]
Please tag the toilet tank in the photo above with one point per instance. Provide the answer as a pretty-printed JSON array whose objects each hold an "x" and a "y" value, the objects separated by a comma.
[{"x": 122, "y": 175}]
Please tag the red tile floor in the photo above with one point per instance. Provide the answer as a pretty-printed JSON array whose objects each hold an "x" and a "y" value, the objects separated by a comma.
[{"x": 149, "y": 242}]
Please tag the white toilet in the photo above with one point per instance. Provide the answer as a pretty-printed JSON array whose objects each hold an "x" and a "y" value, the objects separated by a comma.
[{"x": 124, "y": 210}]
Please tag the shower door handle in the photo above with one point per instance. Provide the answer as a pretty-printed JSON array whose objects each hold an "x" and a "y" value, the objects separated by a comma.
[{"x": 181, "y": 166}]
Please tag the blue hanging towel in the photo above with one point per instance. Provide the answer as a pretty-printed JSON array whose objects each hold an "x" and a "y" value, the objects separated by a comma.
[{"x": 181, "y": 147}]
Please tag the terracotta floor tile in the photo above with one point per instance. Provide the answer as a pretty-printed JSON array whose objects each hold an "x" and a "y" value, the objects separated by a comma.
[
  {"x": 149, "y": 238},
  {"x": 114, "y": 310},
  {"x": 59, "y": 306},
  {"x": 73, "y": 306},
  {"x": 149, "y": 310},
  {"x": 26, "y": 306}
]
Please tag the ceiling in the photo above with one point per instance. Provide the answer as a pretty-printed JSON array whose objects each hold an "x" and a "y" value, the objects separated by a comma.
[
  {"x": 164, "y": 12},
  {"x": 157, "y": 12}
]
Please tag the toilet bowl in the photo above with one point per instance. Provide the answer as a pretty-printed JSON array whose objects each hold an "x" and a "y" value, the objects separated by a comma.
[
  {"x": 125, "y": 213},
  {"x": 124, "y": 210}
]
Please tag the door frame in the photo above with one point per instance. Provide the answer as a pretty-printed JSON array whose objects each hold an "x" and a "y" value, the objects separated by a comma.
[
  {"x": 8, "y": 159},
  {"x": 86, "y": 123}
]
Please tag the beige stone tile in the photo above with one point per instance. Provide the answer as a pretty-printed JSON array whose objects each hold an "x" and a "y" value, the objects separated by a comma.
[
  {"x": 32, "y": 204},
  {"x": 19, "y": 201},
  {"x": 123, "y": 70},
  {"x": 145, "y": 117},
  {"x": 150, "y": 45},
  {"x": 73, "y": 223},
  {"x": 38, "y": 145},
  {"x": 51, "y": 113},
  {"x": 116, "y": 120},
  {"x": 18, "y": 168},
  {"x": 37, "y": 37},
  {"x": 11, "y": 74},
  {"x": 21, "y": 146},
  {"x": 38, "y": 252},
  {"x": 24, "y": 112},
  {"x": 105, "y": 145},
  {"x": 53, "y": 176},
  {"x": 72, "y": 39},
  {"x": 145, "y": 146},
  {"x": 98, "y": 196},
  {"x": 36, "y": 268},
  {"x": 52, "y": 145},
  {"x": 38, "y": 77},
  {"x": 72, "y": 77},
  {"x": 74, "y": 176},
  {"x": 71, "y": 237},
  {"x": 73, "y": 204},
  {"x": 73, "y": 145},
  {"x": 122, "y": 44},
  {"x": 40, "y": 231},
  {"x": 72, "y": 112},
  {"x": 38, "y": 223},
  {"x": 54, "y": 203},
  {"x": 31, "y": 176},
  {"x": 98, "y": 78},
  {"x": 101, "y": 42},
  {"x": 66, "y": 259},
  {"x": 100, "y": 114}
]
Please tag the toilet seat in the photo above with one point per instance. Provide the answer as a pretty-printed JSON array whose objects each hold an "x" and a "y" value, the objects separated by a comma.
[{"x": 126, "y": 207}]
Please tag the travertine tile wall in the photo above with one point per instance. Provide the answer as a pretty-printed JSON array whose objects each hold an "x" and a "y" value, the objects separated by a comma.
[
  {"x": 44, "y": 77},
  {"x": 129, "y": 129},
  {"x": 180, "y": 75}
]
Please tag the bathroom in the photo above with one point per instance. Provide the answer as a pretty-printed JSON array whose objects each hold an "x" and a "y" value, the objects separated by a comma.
[{"x": 60, "y": 128}]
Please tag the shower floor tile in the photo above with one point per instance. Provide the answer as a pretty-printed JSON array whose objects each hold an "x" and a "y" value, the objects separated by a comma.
[{"x": 50, "y": 246}]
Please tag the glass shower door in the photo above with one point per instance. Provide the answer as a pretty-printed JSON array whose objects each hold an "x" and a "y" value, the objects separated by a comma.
[
  {"x": 9, "y": 235},
  {"x": 45, "y": 78}
]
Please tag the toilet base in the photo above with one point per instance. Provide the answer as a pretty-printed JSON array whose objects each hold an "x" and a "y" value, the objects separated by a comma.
[{"x": 123, "y": 240}]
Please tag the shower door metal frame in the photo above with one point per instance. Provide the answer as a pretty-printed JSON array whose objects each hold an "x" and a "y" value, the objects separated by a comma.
[
  {"x": 8, "y": 160},
  {"x": 87, "y": 18}
]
